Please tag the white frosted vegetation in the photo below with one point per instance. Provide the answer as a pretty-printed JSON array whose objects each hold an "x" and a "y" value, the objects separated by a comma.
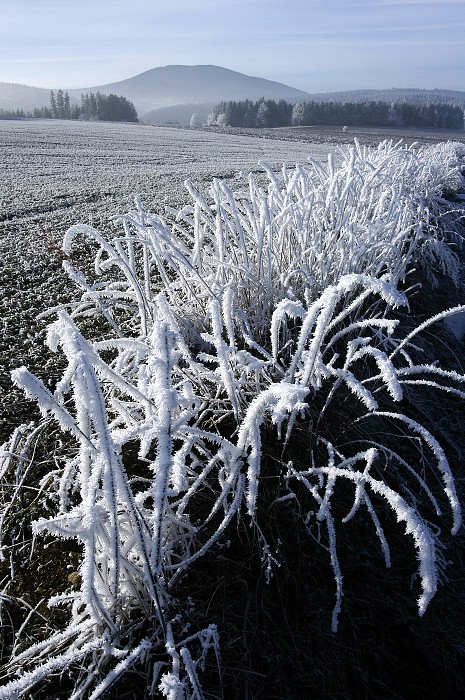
[{"x": 244, "y": 317}]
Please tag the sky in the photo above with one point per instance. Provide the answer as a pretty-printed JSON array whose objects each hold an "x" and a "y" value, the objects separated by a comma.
[{"x": 313, "y": 45}]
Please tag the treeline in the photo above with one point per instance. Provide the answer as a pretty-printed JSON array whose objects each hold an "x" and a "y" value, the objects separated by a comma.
[
  {"x": 269, "y": 113},
  {"x": 264, "y": 113},
  {"x": 398, "y": 95},
  {"x": 109, "y": 108},
  {"x": 93, "y": 107}
]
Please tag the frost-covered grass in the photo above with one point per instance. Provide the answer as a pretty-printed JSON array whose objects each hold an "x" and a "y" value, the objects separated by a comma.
[{"x": 253, "y": 335}]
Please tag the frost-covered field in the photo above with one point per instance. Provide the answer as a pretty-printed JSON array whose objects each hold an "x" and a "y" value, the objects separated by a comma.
[
  {"x": 242, "y": 389},
  {"x": 54, "y": 174}
]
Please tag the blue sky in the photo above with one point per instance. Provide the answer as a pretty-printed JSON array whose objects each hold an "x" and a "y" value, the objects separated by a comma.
[{"x": 314, "y": 45}]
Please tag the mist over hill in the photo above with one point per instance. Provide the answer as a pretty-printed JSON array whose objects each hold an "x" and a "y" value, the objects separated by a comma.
[{"x": 16, "y": 96}]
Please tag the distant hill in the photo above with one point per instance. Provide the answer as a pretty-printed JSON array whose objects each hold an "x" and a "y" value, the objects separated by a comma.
[{"x": 175, "y": 85}]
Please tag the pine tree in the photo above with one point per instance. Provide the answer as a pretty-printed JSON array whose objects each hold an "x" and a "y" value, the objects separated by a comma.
[
  {"x": 60, "y": 104},
  {"x": 53, "y": 105},
  {"x": 66, "y": 107},
  {"x": 93, "y": 109}
]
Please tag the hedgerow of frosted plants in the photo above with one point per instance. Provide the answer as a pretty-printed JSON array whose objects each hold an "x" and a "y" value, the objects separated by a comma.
[{"x": 274, "y": 307}]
